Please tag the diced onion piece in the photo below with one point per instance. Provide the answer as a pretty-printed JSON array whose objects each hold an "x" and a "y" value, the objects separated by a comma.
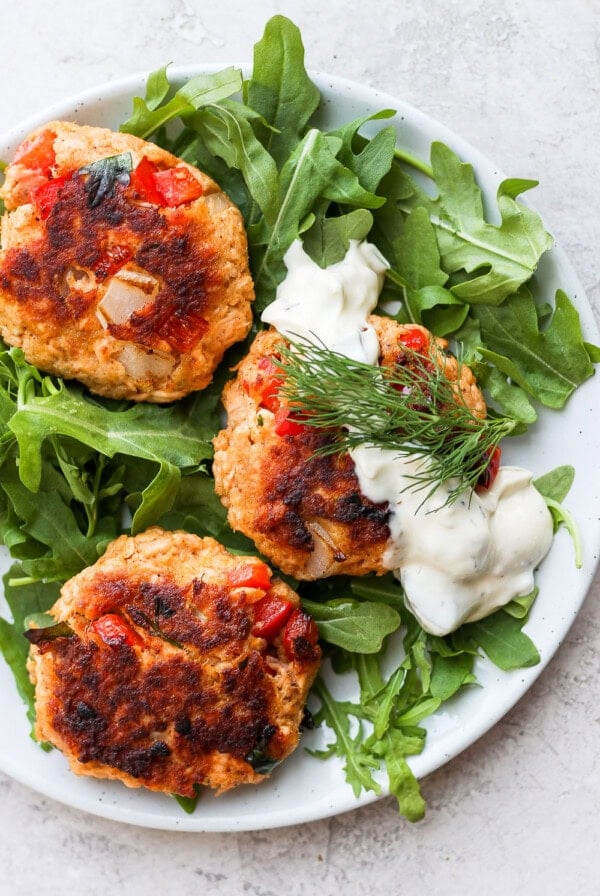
[
  {"x": 138, "y": 277},
  {"x": 324, "y": 551},
  {"x": 77, "y": 279},
  {"x": 143, "y": 363},
  {"x": 127, "y": 292},
  {"x": 217, "y": 202}
]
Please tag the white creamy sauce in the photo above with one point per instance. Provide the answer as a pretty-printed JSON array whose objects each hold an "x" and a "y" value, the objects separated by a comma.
[
  {"x": 457, "y": 562},
  {"x": 460, "y": 561},
  {"x": 330, "y": 306}
]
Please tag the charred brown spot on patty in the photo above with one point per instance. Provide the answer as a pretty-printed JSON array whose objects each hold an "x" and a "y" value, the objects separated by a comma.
[
  {"x": 102, "y": 237},
  {"x": 135, "y": 295},
  {"x": 303, "y": 509},
  {"x": 182, "y": 691},
  {"x": 115, "y": 712},
  {"x": 302, "y": 485},
  {"x": 178, "y": 313}
]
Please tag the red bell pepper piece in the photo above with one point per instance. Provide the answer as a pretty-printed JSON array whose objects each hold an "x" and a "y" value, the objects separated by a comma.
[
  {"x": 177, "y": 186},
  {"x": 114, "y": 631},
  {"x": 38, "y": 152},
  {"x": 265, "y": 388},
  {"x": 415, "y": 339},
  {"x": 300, "y": 636},
  {"x": 491, "y": 471},
  {"x": 270, "y": 613},
  {"x": 170, "y": 186},
  {"x": 286, "y": 425},
  {"x": 142, "y": 181},
  {"x": 45, "y": 197},
  {"x": 252, "y": 574}
]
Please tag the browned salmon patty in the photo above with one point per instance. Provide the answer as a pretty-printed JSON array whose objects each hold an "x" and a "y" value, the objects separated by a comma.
[
  {"x": 305, "y": 510},
  {"x": 173, "y": 663},
  {"x": 120, "y": 265}
]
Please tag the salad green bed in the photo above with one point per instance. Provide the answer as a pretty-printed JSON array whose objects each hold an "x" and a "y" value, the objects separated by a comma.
[{"x": 77, "y": 470}]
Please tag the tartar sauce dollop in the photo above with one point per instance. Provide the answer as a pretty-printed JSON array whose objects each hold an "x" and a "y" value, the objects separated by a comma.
[
  {"x": 457, "y": 562},
  {"x": 329, "y": 306}
]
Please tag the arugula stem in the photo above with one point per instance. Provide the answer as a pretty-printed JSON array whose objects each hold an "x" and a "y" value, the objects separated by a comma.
[
  {"x": 320, "y": 689},
  {"x": 356, "y": 773},
  {"x": 24, "y": 580},
  {"x": 91, "y": 510},
  {"x": 414, "y": 161}
]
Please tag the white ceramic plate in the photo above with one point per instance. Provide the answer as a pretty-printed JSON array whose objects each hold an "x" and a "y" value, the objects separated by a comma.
[{"x": 305, "y": 789}]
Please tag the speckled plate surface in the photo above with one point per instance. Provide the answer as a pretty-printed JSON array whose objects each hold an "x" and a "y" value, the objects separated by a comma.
[{"x": 304, "y": 788}]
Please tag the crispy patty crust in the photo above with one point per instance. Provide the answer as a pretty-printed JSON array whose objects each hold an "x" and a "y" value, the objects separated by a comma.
[
  {"x": 130, "y": 275},
  {"x": 305, "y": 511},
  {"x": 173, "y": 663}
]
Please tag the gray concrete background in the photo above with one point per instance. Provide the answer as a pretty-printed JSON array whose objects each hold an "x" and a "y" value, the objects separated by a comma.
[{"x": 518, "y": 812}]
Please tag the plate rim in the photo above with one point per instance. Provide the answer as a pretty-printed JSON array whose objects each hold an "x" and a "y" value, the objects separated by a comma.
[{"x": 128, "y": 85}]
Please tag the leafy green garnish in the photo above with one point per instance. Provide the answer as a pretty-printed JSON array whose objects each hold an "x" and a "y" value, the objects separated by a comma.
[
  {"x": 383, "y": 729},
  {"x": 358, "y": 626},
  {"x": 547, "y": 364},
  {"x": 155, "y": 110},
  {"x": 412, "y": 408},
  {"x": 103, "y": 176},
  {"x": 22, "y": 603},
  {"x": 556, "y": 484},
  {"x": 496, "y": 259},
  {"x": 280, "y": 90},
  {"x": 554, "y": 488},
  {"x": 501, "y": 637}
]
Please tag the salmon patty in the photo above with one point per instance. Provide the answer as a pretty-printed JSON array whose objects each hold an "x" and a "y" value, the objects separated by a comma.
[
  {"x": 304, "y": 510},
  {"x": 173, "y": 663},
  {"x": 121, "y": 266}
]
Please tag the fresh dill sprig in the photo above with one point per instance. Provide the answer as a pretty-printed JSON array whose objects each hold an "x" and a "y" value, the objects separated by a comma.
[{"x": 413, "y": 408}]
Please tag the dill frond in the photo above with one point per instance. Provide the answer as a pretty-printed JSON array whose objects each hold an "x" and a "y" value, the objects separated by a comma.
[{"x": 412, "y": 408}]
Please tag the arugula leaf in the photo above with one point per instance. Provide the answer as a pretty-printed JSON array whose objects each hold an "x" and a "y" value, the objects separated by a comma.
[
  {"x": 47, "y": 519},
  {"x": 390, "y": 219},
  {"x": 160, "y": 434},
  {"x": 395, "y": 746},
  {"x": 151, "y": 113},
  {"x": 328, "y": 239},
  {"x": 519, "y": 607},
  {"x": 510, "y": 398},
  {"x": 157, "y": 88},
  {"x": 384, "y": 699},
  {"x": 359, "y": 762},
  {"x": 359, "y": 626},
  {"x": 374, "y": 157},
  {"x": 279, "y": 89},
  {"x": 450, "y": 673},
  {"x": 383, "y": 589},
  {"x": 554, "y": 487},
  {"x": 502, "y": 639},
  {"x": 312, "y": 172},
  {"x": 22, "y": 602},
  {"x": 557, "y": 483},
  {"x": 548, "y": 365},
  {"x": 416, "y": 255},
  {"x": 189, "y": 803},
  {"x": 496, "y": 259},
  {"x": 227, "y": 133},
  {"x": 197, "y": 509}
]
